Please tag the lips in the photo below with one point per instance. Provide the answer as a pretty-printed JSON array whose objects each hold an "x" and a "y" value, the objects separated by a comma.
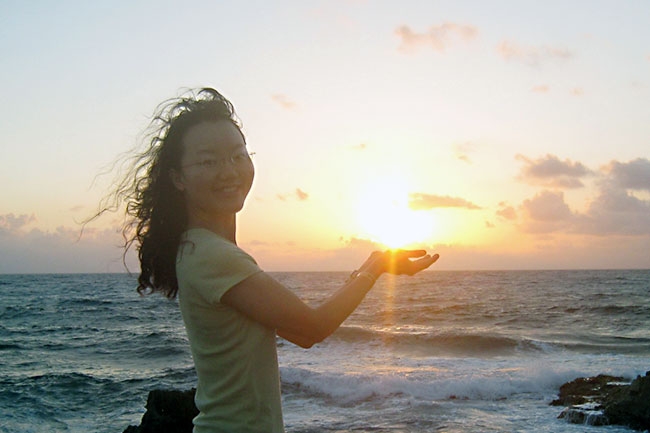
[{"x": 227, "y": 189}]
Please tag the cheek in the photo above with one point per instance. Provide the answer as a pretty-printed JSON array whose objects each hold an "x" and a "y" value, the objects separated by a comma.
[{"x": 251, "y": 173}]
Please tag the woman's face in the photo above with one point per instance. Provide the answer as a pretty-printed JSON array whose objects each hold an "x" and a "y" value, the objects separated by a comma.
[{"x": 216, "y": 172}]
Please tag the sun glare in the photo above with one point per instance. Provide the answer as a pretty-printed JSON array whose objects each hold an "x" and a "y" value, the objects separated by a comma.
[{"x": 384, "y": 215}]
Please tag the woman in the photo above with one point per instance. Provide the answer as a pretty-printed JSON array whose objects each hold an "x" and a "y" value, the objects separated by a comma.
[{"x": 182, "y": 197}]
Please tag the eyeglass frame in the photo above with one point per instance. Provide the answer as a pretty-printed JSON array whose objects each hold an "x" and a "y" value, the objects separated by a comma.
[{"x": 213, "y": 163}]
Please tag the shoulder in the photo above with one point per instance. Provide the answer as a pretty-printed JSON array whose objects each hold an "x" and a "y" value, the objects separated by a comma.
[
  {"x": 211, "y": 264},
  {"x": 203, "y": 246}
]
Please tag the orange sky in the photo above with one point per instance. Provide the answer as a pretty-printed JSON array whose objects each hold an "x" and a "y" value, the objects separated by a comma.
[{"x": 513, "y": 136}]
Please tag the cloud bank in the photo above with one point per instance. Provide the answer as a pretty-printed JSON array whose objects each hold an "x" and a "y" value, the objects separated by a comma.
[{"x": 615, "y": 210}]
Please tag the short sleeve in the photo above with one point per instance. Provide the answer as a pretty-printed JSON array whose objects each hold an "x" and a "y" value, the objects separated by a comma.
[{"x": 212, "y": 265}]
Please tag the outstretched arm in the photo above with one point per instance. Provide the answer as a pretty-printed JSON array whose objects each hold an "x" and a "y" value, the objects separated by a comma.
[{"x": 268, "y": 302}]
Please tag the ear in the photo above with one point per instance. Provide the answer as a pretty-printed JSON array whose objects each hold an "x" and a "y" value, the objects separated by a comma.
[{"x": 177, "y": 179}]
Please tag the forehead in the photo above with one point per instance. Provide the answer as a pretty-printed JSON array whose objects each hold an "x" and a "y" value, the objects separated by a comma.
[{"x": 212, "y": 137}]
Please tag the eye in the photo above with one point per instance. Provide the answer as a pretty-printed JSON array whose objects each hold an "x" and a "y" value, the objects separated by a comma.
[
  {"x": 209, "y": 163},
  {"x": 240, "y": 156}
]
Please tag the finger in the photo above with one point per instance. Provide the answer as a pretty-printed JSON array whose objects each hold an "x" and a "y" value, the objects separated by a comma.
[
  {"x": 407, "y": 253},
  {"x": 424, "y": 262}
]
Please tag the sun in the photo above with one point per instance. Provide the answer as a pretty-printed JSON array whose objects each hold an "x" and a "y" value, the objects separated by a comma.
[{"x": 384, "y": 215}]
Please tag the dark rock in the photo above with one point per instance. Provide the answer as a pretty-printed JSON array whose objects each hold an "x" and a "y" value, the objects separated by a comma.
[
  {"x": 584, "y": 414},
  {"x": 630, "y": 405},
  {"x": 604, "y": 400},
  {"x": 586, "y": 389},
  {"x": 168, "y": 411}
]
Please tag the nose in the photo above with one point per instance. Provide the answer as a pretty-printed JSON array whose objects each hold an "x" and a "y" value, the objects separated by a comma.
[{"x": 227, "y": 170}]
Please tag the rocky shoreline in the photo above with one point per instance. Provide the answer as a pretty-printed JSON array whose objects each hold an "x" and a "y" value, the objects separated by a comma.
[
  {"x": 606, "y": 400},
  {"x": 595, "y": 401}
]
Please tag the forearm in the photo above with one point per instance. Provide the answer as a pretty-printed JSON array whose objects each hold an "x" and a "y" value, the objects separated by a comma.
[
  {"x": 268, "y": 302},
  {"x": 330, "y": 314},
  {"x": 338, "y": 307}
]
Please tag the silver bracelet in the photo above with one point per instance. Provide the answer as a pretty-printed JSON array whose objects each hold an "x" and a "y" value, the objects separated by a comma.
[{"x": 356, "y": 274}]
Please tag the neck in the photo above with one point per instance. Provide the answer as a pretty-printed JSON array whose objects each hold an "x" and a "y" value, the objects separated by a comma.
[{"x": 225, "y": 226}]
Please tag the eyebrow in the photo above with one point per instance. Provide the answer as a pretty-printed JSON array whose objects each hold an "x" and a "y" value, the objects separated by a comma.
[{"x": 212, "y": 151}]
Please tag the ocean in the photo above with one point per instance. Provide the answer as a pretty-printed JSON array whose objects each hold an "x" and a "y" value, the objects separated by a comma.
[{"x": 475, "y": 351}]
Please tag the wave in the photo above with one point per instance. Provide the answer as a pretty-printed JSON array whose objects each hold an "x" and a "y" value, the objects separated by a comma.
[
  {"x": 425, "y": 343},
  {"x": 351, "y": 389},
  {"x": 479, "y": 344}
]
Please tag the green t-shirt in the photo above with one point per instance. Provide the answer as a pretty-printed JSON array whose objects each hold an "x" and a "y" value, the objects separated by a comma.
[{"x": 235, "y": 357}]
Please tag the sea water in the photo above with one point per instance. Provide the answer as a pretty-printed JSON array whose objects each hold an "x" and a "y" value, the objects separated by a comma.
[{"x": 439, "y": 352}]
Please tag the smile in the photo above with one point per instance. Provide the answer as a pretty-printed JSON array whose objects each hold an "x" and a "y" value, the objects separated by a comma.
[{"x": 227, "y": 189}]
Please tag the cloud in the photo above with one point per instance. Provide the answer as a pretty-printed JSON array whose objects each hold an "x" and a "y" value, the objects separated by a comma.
[
  {"x": 421, "y": 201},
  {"x": 531, "y": 55},
  {"x": 298, "y": 194},
  {"x": 301, "y": 195},
  {"x": 63, "y": 250},
  {"x": 283, "y": 101},
  {"x": 551, "y": 172},
  {"x": 613, "y": 212},
  {"x": 437, "y": 38},
  {"x": 542, "y": 88},
  {"x": 360, "y": 146},
  {"x": 462, "y": 151},
  {"x": 577, "y": 91},
  {"x": 546, "y": 212},
  {"x": 10, "y": 222},
  {"x": 506, "y": 211},
  {"x": 631, "y": 175}
]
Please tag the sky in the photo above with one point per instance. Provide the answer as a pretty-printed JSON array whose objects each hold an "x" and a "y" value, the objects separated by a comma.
[{"x": 500, "y": 134}]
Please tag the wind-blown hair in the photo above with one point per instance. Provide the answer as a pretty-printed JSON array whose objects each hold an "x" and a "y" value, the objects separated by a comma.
[{"x": 156, "y": 215}]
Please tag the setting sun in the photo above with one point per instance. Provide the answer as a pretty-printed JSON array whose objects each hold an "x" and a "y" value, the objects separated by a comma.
[{"x": 384, "y": 215}]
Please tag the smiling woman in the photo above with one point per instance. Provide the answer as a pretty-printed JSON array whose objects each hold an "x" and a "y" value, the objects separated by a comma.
[
  {"x": 182, "y": 196},
  {"x": 384, "y": 215}
]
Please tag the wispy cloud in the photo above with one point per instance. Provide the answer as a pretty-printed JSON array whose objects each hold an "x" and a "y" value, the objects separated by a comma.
[
  {"x": 463, "y": 150},
  {"x": 360, "y": 146},
  {"x": 531, "y": 55},
  {"x": 438, "y": 38},
  {"x": 421, "y": 201},
  {"x": 298, "y": 194},
  {"x": 542, "y": 88},
  {"x": 577, "y": 91},
  {"x": 284, "y": 101},
  {"x": 550, "y": 171}
]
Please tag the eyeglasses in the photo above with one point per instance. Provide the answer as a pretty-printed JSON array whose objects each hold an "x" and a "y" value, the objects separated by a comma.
[{"x": 238, "y": 158}]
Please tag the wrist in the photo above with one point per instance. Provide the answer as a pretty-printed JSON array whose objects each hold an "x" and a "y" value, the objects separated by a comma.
[
  {"x": 363, "y": 274},
  {"x": 376, "y": 264}
]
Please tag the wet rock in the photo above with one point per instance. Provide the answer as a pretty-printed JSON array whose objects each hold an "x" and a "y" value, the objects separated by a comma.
[
  {"x": 630, "y": 405},
  {"x": 587, "y": 389},
  {"x": 168, "y": 411},
  {"x": 604, "y": 400}
]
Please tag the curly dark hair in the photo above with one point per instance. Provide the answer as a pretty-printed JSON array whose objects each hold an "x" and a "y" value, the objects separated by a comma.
[{"x": 155, "y": 209}]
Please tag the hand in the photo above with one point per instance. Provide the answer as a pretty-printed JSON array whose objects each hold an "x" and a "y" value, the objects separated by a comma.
[{"x": 399, "y": 262}]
